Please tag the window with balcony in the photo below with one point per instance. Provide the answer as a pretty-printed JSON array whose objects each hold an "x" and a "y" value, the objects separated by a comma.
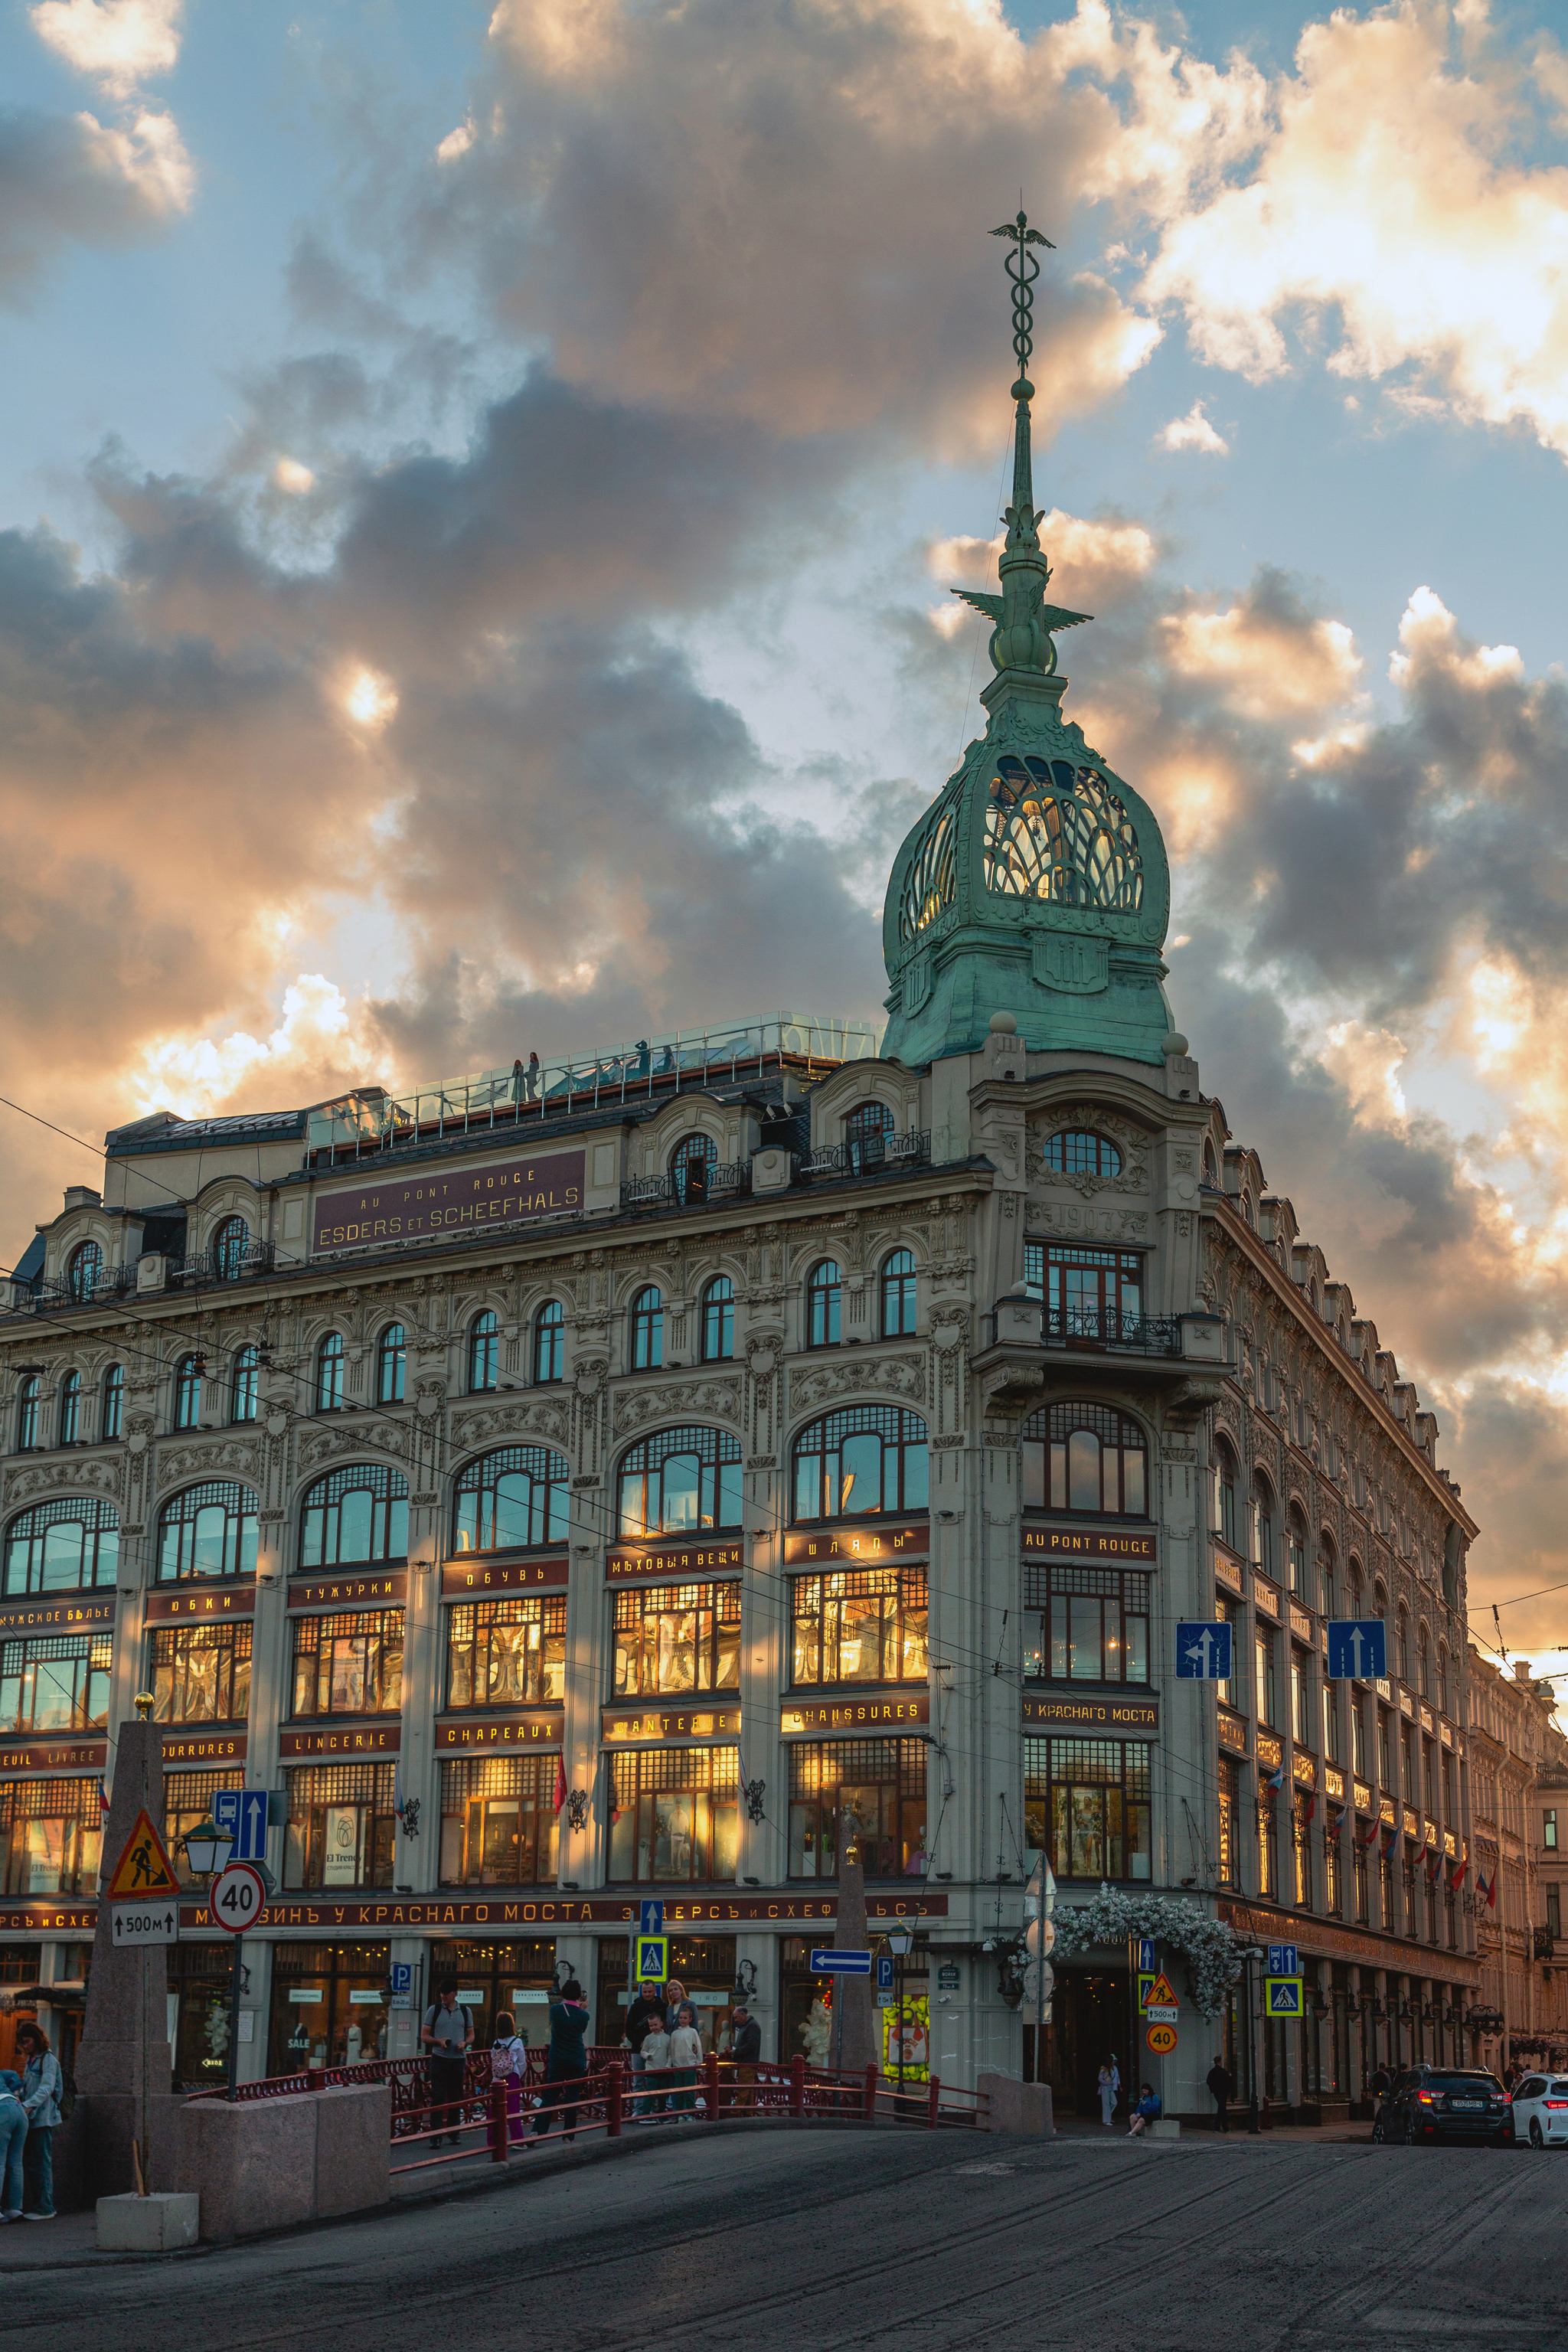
[
  {"x": 391, "y": 1364},
  {"x": 349, "y": 1663},
  {"x": 85, "y": 1273},
  {"x": 860, "y": 1625},
  {"x": 824, "y": 1295},
  {"x": 63, "y": 1546},
  {"x": 208, "y": 1530},
  {"x": 1086, "y": 1460},
  {"x": 507, "y": 1652},
  {"x": 1092, "y": 1297},
  {"x": 681, "y": 1482},
  {"x": 670, "y": 1639},
  {"x": 1087, "y": 1802},
  {"x": 866, "y": 1458},
  {"x": 1094, "y": 1625},
  {"x": 229, "y": 1244},
  {"x": 513, "y": 1499},
  {"x": 201, "y": 1674},
  {"x": 690, "y": 1165},
  {"x": 866, "y": 1133},
  {"x": 550, "y": 1343},
  {"x": 359, "y": 1513}
]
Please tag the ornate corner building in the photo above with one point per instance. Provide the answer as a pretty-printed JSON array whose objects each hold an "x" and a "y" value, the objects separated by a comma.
[{"x": 640, "y": 1475}]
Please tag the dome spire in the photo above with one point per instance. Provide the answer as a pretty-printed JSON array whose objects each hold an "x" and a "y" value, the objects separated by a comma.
[{"x": 1022, "y": 636}]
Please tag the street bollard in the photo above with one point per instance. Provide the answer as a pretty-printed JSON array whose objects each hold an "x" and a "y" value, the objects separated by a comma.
[
  {"x": 712, "y": 2087},
  {"x": 869, "y": 2105},
  {"x": 497, "y": 2122},
  {"x": 613, "y": 2103},
  {"x": 797, "y": 2084}
]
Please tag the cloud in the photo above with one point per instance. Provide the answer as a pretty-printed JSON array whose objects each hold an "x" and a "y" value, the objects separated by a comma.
[
  {"x": 1275, "y": 657},
  {"x": 1193, "y": 431},
  {"x": 73, "y": 180},
  {"x": 120, "y": 43},
  {"x": 1391, "y": 201}
]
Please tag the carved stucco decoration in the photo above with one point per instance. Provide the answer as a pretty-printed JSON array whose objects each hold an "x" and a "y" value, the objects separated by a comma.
[
  {"x": 947, "y": 1376},
  {"x": 88, "y": 1477},
  {"x": 222, "y": 1457},
  {"x": 1130, "y": 1140},
  {"x": 589, "y": 1406},
  {"x": 764, "y": 1359},
  {"x": 686, "y": 1399},
  {"x": 548, "y": 1419},
  {"x": 858, "y": 1375},
  {"x": 321, "y": 1446}
]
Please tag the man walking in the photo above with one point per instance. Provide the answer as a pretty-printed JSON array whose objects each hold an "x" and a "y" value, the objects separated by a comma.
[
  {"x": 746, "y": 2050},
  {"x": 447, "y": 2035},
  {"x": 640, "y": 2019},
  {"x": 1222, "y": 2090}
]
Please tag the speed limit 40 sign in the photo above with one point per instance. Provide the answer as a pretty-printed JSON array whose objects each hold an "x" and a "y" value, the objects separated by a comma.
[{"x": 237, "y": 1896}]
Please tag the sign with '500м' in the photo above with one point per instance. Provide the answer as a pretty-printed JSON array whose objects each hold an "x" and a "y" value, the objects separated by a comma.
[{"x": 408, "y": 1207}]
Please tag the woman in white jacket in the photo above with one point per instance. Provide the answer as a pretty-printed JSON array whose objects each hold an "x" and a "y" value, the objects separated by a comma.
[{"x": 685, "y": 2058}]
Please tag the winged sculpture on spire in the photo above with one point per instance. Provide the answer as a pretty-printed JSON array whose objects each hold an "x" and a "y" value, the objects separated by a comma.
[{"x": 1024, "y": 628}]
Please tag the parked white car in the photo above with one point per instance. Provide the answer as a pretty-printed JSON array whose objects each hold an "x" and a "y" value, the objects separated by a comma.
[{"x": 1541, "y": 2111}]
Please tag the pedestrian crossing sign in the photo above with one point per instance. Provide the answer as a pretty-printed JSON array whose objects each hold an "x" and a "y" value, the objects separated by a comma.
[
  {"x": 652, "y": 1962},
  {"x": 1283, "y": 1997}
]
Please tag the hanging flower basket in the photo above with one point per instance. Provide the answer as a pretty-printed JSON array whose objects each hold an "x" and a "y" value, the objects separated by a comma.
[{"x": 1209, "y": 1951}]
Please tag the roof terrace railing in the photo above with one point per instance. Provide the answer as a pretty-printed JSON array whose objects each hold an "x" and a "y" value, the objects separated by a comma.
[{"x": 360, "y": 1124}]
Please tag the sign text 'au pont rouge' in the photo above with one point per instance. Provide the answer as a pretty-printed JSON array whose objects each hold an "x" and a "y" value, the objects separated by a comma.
[{"x": 510, "y": 1190}]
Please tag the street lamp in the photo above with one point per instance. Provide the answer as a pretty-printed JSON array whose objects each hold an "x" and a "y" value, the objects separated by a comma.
[
  {"x": 901, "y": 1942},
  {"x": 207, "y": 1848}
]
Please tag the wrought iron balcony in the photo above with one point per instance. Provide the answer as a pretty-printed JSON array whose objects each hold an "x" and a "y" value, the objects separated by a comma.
[
  {"x": 1138, "y": 1335},
  {"x": 205, "y": 1269},
  {"x": 684, "y": 1192},
  {"x": 872, "y": 1155}
]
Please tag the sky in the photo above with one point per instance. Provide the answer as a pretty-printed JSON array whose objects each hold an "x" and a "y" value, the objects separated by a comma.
[{"x": 480, "y": 487}]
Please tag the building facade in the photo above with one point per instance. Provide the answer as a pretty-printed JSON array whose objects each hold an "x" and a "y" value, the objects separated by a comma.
[
  {"x": 643, "y": 1477},
  {"x": 1520, "y": 1774}
]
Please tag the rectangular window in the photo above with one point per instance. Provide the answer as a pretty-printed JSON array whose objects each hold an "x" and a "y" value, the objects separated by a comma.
[
  {"x": 873, "y": 1791},
  {"x": 1226, "y": 1615},
  {"x": 341, "y": 1825},
  {"x": 1411, "y": 1789},
  {"x": 676, "y": 1816},
  {"x": 1554, "y": 1910},
  {"x": 1302, "y": 1841},
  {"x": 1359, "y": 1865},
  {"x": 498, "y": 1825},
  {"x": 1229, "y": 1824},
  {"x": 1333, "y": 1900},
  {"x": 1331, "y": 1723},
  {"x": 52, "y": 1836},
  {"x": 1088, "y": 1801},
  {"x": 57, "y": 1682},
  {"x": 201, "y": 1674},
  {"x": 1263, "y": 1672},
  {"x": 188, "y": 1800},
  {"x": 350, "y": 1664},
  {"x": 1384, "y": 1774},
  {"x": 507, "y": 1652},
  {"x": 1358, "y": 1738},
  {"x": 1090, "y": 1295},
  {"x": 1300, "y": 1700},
  {"x": 1094, "y": 1623},
  {"x": 1549, "y": 1829},
  {"x": 1268, "y": 1849},
  {"x": 671, "y": 1638},
  {"x": 858, "y": 1626},
  {"x": 1390, "y": 1907}
]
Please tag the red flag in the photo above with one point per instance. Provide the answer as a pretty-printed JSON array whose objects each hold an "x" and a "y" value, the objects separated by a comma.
[
  {"x": 1457, "y": 1876},
  {"x": 560, "y": 1784},
  {"x": 1310, "y": 1808},
  {"x": 1491, "y": 1890}
]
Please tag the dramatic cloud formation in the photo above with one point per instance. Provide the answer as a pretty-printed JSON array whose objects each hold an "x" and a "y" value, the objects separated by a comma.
[
  {"x": 72, "y": 179},
  {"x": 118, "y": 42}
]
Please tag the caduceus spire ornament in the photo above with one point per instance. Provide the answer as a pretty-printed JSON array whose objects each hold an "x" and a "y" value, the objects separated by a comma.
[{"x": 1022, "y": 638}]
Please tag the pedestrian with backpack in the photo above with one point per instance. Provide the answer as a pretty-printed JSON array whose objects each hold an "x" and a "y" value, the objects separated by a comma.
[
  {"x": 447, "y": 2035},
  {"x": 42, "y": 2085},
  {"x": 509, "y": 2064}
]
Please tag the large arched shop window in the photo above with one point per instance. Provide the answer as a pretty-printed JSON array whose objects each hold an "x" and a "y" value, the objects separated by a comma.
[
  {"x": 1086, "y": 1458},
  {"x": 863, "y": 1459},
  {"x": 507, "y": 1500},
  {"x": 357, "y": 1513},
  {"x": 208, "y": 1530},
  {"x": 65, "y": 1546},
  {"x": 681, "y": 1482}
]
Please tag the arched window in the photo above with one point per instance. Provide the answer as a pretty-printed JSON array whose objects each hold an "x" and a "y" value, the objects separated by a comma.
[
  {"x": 230, "y": 1243},
  {"x": 1225, "y": 1479},
  {"x": 517, "y": 1497},
  {"x": 898, "y": 1294},
  {"x": 391, "y": 1363},
  {"x": 1211, "y": 1174},
  {"x": 1263, "y": 1527},
  {"x": 689, "y": 1163},
  {"x": 113, "y": 1400},
  {"x": 864, "y": 1458},
  {"x": 484, "y": 1349},
  {"x": 1423, "y": 1662},
  {"x": 647, "y": 1330},
  {"x": 1353, "y": 1589},
  {"x": 550, "y": 1343},
  {"x": 1077, "y": 1151},
  {"x": 1402, "y": 1650},
  {"x": 85, "y": 1273},
  {"x": 1296, "y": 1554},
  {"x": 70, "y": 1409},
  {"x": 1087, "y": 1458},
  {"x": 866, "y": 1133},
  {"x": 246, "y": 1376},
  {"x": 188, "y": 1392},
  {"x": 62, "y": 1546},
  {"x": 679, "y": 1482},
  {"x": 719, "y": 1320},
  {"x": 209, "y": 1530},
  {"x": 27, "y": 1412},
  {"x": 1326, "y": 1595},
  {"x": 358, "y": 1513},
  {"x": 823, "y": 1292},
  {"x": 330, "y": 1373}
]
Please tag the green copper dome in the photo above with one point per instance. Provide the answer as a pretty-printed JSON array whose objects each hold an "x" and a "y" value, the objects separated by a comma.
[{"x": 1037, "y": 884}]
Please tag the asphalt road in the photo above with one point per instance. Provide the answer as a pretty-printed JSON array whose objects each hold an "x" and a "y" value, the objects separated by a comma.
[{"x": 810, "y": 2241}]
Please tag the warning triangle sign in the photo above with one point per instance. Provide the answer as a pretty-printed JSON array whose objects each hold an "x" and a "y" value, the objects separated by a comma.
[
  {"x": 144, "y": 1867},
  {"x": 1162, "y": 1996}
]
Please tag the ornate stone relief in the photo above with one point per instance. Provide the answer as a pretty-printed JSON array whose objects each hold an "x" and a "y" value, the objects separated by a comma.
[
  {"x": 695, "y": 1400},
  {"x": 852, "y": 1376},
  {"x": 56, "y": 1476},
  {"x": 546, "y": 1418},
  {"x": 214, "y": 1457},
  {"x": 353, "y": 1442},
  {"x": 1131, "y": 1142}
]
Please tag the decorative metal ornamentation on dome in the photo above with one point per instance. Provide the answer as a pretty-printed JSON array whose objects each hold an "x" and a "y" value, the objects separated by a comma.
[
  {"x": 1059, "y": 832},
  {"x": 931, "y": 879}
]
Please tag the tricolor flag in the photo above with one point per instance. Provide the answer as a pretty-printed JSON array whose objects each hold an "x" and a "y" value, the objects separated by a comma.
[
  {"x": 1433, "y": 1865},
  {"x": 1276, "y": 1780},
  {"x": 1420, "y": 1854},
  {"x": 1484, "y": 1892},
  {"x": 1491, "y": 1890},
  {"x": 1309, "y": 1810},
  {"x": 1390, "y": 1831}
]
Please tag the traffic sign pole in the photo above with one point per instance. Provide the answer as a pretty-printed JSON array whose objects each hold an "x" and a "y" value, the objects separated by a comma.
[{"x": 236, "y": 1899}]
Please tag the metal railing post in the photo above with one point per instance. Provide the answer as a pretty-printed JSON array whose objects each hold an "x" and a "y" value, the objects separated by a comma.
[
  {"x": 933, "y": 2102},
  {"x": 712, "y": 2087},
  {"x": 797, "y": 2084},
  {"x": 497, "y": 2122},
  {"x": 613, "y": 2103},
  {"x": 868, "y": 2108}
]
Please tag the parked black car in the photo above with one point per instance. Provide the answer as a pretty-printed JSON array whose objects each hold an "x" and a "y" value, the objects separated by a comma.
[{"x": 1431, "y": 2104}]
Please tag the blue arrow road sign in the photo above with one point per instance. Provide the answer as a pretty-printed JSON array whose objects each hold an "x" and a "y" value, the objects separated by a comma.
[
  {"x": 651, "y": 1923},
  {"x": 250, "y": 1828},
  {"x": 884, "y": 1972},
  {"x": 1202, "y": 1650},
  {"x": 1146, "y": 1962},
  {"x": 1358, "y": 1647},
  {"x": 1283, "y": 1960},
  {"x": 226, "y": 1812},
  {"x": 833, "y": 1963}
]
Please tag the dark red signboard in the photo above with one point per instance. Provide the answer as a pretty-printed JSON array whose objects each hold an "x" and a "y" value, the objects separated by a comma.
[{"x": 407, "y": 1207}]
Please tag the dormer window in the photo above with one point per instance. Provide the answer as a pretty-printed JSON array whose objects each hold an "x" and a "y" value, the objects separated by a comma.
[
  {"x": 1078, "y": 1151},
  {"x": 85, "y": 1273}
]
